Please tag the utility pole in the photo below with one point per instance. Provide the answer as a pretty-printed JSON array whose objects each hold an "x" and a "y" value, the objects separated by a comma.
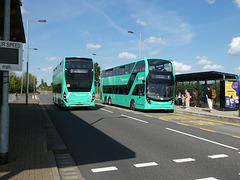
[{"x": 4, "y": 87}]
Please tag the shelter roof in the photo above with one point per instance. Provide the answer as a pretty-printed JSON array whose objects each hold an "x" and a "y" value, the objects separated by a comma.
[
  {"x": 16, "y": 23},
  {"x": 202, "y": 76}
]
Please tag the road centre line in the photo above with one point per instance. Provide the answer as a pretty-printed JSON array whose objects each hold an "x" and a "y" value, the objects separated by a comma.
[
  {"x": 182, "y": 124},
  {"x": 209, "y": 178},
  {"x": 236, "y": 137},
  {"x": 203, "y": 139},
  {"x": 218, "y": 156},
  {"x": 145, "y": 164},
  {"x": 184, "y": 160},
  {"x": 134, "y": 118},
  {"x": 106, "y": 110},
  {"x": 113, "y": 168}
]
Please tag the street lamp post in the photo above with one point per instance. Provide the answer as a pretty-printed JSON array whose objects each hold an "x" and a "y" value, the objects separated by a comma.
[
  {"x": 27, "y": 63},
  {"x": 140, "y": 36}
]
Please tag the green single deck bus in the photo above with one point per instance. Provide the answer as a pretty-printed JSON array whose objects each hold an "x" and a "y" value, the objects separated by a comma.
[
  {"x": 73, "y": 82},
  {"x": 142, "y": 84}
]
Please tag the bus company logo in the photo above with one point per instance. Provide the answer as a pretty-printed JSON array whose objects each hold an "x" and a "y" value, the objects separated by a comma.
[
  {"x": 122, "y": 80},
  {"x": 79, "y": 95},
  {"x": 140, "y": 78}
]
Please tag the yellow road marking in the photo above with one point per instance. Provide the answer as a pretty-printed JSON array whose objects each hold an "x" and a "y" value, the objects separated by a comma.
[
  {"x": 163, "y": 119},
  {"x": 147, "y": 115},
  {"x": 182, "y": 124},
  {"x": 207, "y": 130},
  {"x": 210, "y": 120},
  {"x": 236, "y": 137},
  {"x": 201, "y": 123}
]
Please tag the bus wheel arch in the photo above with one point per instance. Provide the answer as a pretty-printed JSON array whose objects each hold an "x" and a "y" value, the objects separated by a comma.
[{"x": 132, "y": 104}]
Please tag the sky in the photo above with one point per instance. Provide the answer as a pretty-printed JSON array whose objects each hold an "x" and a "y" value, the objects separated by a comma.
[{"x": 197, "y": 35}]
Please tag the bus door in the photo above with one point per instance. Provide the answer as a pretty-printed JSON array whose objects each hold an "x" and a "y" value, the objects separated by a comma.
[{"x": 139, "y": 94}]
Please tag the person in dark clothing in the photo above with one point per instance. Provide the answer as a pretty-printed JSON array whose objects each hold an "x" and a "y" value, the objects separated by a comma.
[{"x": 209, "y": 98}]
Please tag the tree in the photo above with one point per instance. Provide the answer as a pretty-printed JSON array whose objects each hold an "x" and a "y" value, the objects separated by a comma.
[{"x": 97, "y": 71}]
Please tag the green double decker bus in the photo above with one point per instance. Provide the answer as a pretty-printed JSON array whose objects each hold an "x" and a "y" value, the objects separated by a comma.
[
  {"x": 142, "y": 84},
  {"x": 73, "y": 82}
]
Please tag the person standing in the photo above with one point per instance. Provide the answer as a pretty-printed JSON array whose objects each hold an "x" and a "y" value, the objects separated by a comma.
[
  {"x": 237, "y": 101},
  {"x": 179, "y": 98},
  {"x": 195, "y": 97},
  {"x": 209, "y": 98},
  {"x": 187, "y": 99}
]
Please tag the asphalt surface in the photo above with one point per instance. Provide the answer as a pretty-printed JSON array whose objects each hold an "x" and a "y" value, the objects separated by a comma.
[{"x": 111, "y": 142}]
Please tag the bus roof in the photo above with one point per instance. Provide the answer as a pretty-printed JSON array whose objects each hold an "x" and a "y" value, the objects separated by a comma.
[{"x": 135, "y": 62}]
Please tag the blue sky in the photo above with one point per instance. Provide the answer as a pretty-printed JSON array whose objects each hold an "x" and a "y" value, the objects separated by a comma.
[{"x": 198, "y": 35}]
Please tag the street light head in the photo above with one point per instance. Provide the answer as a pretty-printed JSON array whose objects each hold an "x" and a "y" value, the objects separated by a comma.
[
  {"x": 130, "y": 32},
  {"x": 35, "y": 49},
  {"x": 94, "y": 54},
  {"x": 42, "y": 21}
]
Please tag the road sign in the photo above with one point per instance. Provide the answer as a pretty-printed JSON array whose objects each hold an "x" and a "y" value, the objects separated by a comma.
[{"x": 11, "y": 56}]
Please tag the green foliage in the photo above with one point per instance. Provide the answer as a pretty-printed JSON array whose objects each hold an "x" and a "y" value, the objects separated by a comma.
[
  {"x": 97, "y": 71},
  {"x": 16, "y": 83}
]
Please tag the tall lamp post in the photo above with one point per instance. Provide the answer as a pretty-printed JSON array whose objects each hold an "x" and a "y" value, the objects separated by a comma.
[
  {"x": 131, "y": 32},
  {"x": 27, "y": 79}
]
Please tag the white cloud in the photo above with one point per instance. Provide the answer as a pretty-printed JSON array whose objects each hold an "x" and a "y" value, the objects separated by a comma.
[
  {"x": 127, "y": 55},
  {"x": 213, "y": 67},
  {"x": 140, "y": 22},
  {"x": 23, "y": 11},
  {"x": 237, "y": 68},
  {"x": 211, "y": 1},
  {"x": 153, "y": 53},
  {"x": 52, "y": 58},
  {"x": 203, "y": 60},
  {"x": 234, "y": 46},
  {"x": 92, "y": 46},
  {"x": 153, "y": 39},
  {"x": 47, "y": 70},
  {"x": 180, "y": 67},
  {"x": 237, "y": 2}
]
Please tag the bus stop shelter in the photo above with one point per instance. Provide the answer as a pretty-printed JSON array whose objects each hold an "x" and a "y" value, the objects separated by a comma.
[{"x": 205, "y": 78}]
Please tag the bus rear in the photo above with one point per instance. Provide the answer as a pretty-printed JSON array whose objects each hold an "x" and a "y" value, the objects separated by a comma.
[{"x": 78, "y": 83}]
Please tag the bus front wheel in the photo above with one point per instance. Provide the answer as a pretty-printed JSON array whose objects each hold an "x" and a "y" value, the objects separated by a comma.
[
  {"x": 132, "y": 105},
  {"x": 105, "y": 100},
  {"x": 109, "y": 101}
]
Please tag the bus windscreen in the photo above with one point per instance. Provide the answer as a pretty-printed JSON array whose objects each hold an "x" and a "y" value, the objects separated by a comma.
[{"x": 79, "y": 74}]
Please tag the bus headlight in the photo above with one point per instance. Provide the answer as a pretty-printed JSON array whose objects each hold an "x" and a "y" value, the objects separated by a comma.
[
  {"x": 93, "y": 97},
  {"x": 65, "y": 97},
  {"x": 148, "y": 100}
]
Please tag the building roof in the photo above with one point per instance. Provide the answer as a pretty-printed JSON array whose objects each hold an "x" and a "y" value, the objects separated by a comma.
[
  {"x": 202, "y": 76},
  {"x": 16, "y": 23}
]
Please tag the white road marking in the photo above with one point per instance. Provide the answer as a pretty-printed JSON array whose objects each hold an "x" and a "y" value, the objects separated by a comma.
[
  {"x": 145, "y": 164},
  {"x": 230, "y": 147},
  {"x": 184, "y": 160},
  {"x": 106, "y": 110},
  {"x": 218, "y": 156},
  {"x": 105, "y": 169},
  {"x": 134, "y": 118},
  {"x": 210, "y": 178}
]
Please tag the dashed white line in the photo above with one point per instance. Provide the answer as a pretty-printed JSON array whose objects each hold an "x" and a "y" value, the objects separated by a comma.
[
  {"x": 106, "y": 110},
  {"x": 209, "y": 178},
  {"x": 230, "y": 147},
  {"x": 218, "y": 156},
  {"x": 145, "y": 164},
  {"x": 113, "y": 168},
  {"x": 134, "y": 118},
  {"x": 184, "y": 160}
]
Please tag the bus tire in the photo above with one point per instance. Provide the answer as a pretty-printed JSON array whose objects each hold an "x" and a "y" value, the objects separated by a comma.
[
  {"x": 109, "y": 101},
  {"x": 105, "y": 100},
  {"x": 132, "y": 105}
]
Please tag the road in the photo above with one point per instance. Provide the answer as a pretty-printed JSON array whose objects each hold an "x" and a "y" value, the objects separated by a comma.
[{"x": 111, "y": 142}]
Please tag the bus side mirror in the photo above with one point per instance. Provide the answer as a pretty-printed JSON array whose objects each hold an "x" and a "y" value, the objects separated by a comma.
[{"x": 143, "y": 81}]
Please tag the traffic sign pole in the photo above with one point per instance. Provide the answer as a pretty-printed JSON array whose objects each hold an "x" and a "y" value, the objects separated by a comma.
[{"x": 4, "y": 82}]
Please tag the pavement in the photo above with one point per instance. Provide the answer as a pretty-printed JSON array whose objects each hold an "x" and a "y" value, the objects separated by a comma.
[{"x": 37, "y": 152}]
